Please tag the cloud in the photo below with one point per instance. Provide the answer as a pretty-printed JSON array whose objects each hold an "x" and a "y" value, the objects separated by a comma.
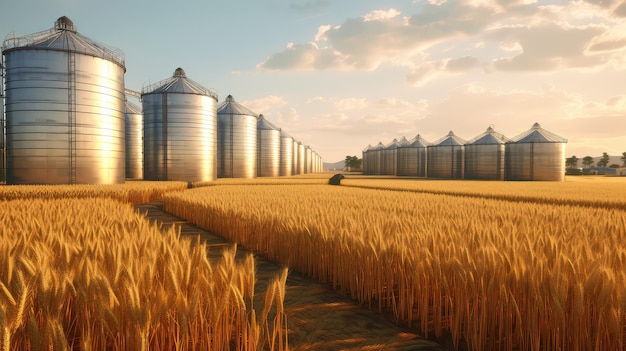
[
  {"x": 265, "y": 105},
  {"x": 443, "y": 37}
]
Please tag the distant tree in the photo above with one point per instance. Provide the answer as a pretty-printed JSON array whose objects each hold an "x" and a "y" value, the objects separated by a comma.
[
  {"x": 604, "y": 160},
  {"x": 353, "y": 162},
  {"x": 623, "y": 158},
  {"x": 614, "y": 165},
  {"x": 588, "y": 161},
  {"x": 571, "y": 162}
]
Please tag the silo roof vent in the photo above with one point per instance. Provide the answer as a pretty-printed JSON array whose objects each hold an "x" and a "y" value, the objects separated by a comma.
[
  {"x": 64, "y": 23},
  {"x": 179, "y": 72}
]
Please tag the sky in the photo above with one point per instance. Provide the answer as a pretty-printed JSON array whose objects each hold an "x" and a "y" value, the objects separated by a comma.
[{"x": 339, "y": 75}]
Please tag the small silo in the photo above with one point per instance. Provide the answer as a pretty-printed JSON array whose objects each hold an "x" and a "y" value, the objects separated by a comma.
[
  {"x": 268, "y": 148},
  {"x": 237, "y": 140},
  {"x": 484, "y": 156},
  {"x": 308, "y": 159},
  {"x": 536, "y": 154},
  {"x": 445, "y": 157},
  {"x": 133, "y": 120},
  {"x": 180, "y": 130},
  {"x": 390, "y": 158},
  {"x": 366, "y": 159},
  {"x": 376, "y": 158},
  {"x": 301, "y": 158},
  {"x": 296, "y": 157},
  {"x": 64, "y": 109},
  {"x": 412, "y": 157},
  {"x": 286, "y": 154}
]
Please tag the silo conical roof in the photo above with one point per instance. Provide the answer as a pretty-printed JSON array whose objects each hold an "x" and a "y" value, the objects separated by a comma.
[
  {"x": 392, "y": 145},
  {"x": 489, "y": 137},
  {"x": 536, "y": 134},
  {"x": 284, "y": 134},
  {"x": 450, "y": 140},
  {"x": 132, "y": 108},
  {"x": 379, "y": 146},
  {"x": 418, "y": 141},
  {"x": 178, "y": 83},
  {"x": 368, "y": 148},
  {"x": 230, "y": 106},
  {"x": 264, "y": 124},
  {"x": 64, "y": 37}
]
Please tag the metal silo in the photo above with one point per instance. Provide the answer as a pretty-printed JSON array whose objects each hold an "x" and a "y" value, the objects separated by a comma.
[
  {"x": 366, "y": 159},
  {"x": 536, "y": 154},
  {"x": 376, "y": 159},
  {"x": 180, "y": 130},
  {"x": 286, "y": 154},
  {"x": 268, "y": 148},
  {"x": 301, "y": 158},
  {"x": 390, "y": 158},
  {"x": 412, "y": 157},
  {"x": 296, "y": 157},
  {"x": 237, "y": 140},
  {"x": 64, "y": 109},
  {"x": 308, "y": 159},
  {"x": 484, "y": 156},
  {"x": 133, "y": 119},
  {"x": 445, "y": 157}
]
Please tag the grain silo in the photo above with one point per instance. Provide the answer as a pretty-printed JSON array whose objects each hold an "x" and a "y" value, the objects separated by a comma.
[
  {"x": 268, "y": 148},
  {"x": 237, "y": 140},
  {"x": 536, "y": 154},
  {"x": 445, "y": 157},
  {"x": 180, "y": 130},
  {"x": 301, "y": 158},
  {"x": 390, "y": 158},
  {"x": 133, "y": 119},
  {"x": 308, "y": 160},
  {"x": 366, "y": 159},
  {"x": 286, "y": 154},
  {"x": 484, "y": 156},
  {"x": 296, "y": 157},
  {"x": 412, "y": 157},
  {"x": 64, "y": 109},
  {"x": 376, "y": 159}
]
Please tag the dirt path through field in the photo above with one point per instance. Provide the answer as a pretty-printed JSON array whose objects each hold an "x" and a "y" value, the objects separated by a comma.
[{"x": 318, "y": 318}]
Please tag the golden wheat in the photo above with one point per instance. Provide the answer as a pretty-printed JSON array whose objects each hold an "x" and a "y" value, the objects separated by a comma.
[
  {"x": 501, "y": 275},
  {"x": 94, "y": 274},
  {"x": 134, "y": 192}
]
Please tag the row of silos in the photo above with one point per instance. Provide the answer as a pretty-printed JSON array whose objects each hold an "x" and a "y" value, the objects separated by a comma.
[
  {"x": 536, "y": 154},
  {"x": 68, "y": 121}
]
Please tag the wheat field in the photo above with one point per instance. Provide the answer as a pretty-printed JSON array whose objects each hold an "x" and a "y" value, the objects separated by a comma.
[
  {"x": 133, "y": 192},
  {"x": 490, "y": 273},
  {"x": 92, "y": 274}
]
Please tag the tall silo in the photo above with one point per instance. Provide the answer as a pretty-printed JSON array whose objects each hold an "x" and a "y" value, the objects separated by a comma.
[
  {"x": 180, "y": 130},
  {"x": 390, "y": 158},
  {"x": 301, "y": 158},
  {"x": 484, "y": 156},
  {"x": 2, "y": 143},
  {"x": 286, "y": 154},
  {"x": 268, "y": 148},
  {"x": 237, "y": 140},
  {"x": 536, "y": 154},
  {"x": 308, "y": 159},
  {"x": 445, "y": 157},
  {"x": 133, "y": 119},
  {"x": 412, "y": 157},
  {"x": 64, "y": 109}
]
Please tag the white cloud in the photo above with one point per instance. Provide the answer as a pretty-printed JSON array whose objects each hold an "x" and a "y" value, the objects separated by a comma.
[{"x": 381, "y": 15}]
